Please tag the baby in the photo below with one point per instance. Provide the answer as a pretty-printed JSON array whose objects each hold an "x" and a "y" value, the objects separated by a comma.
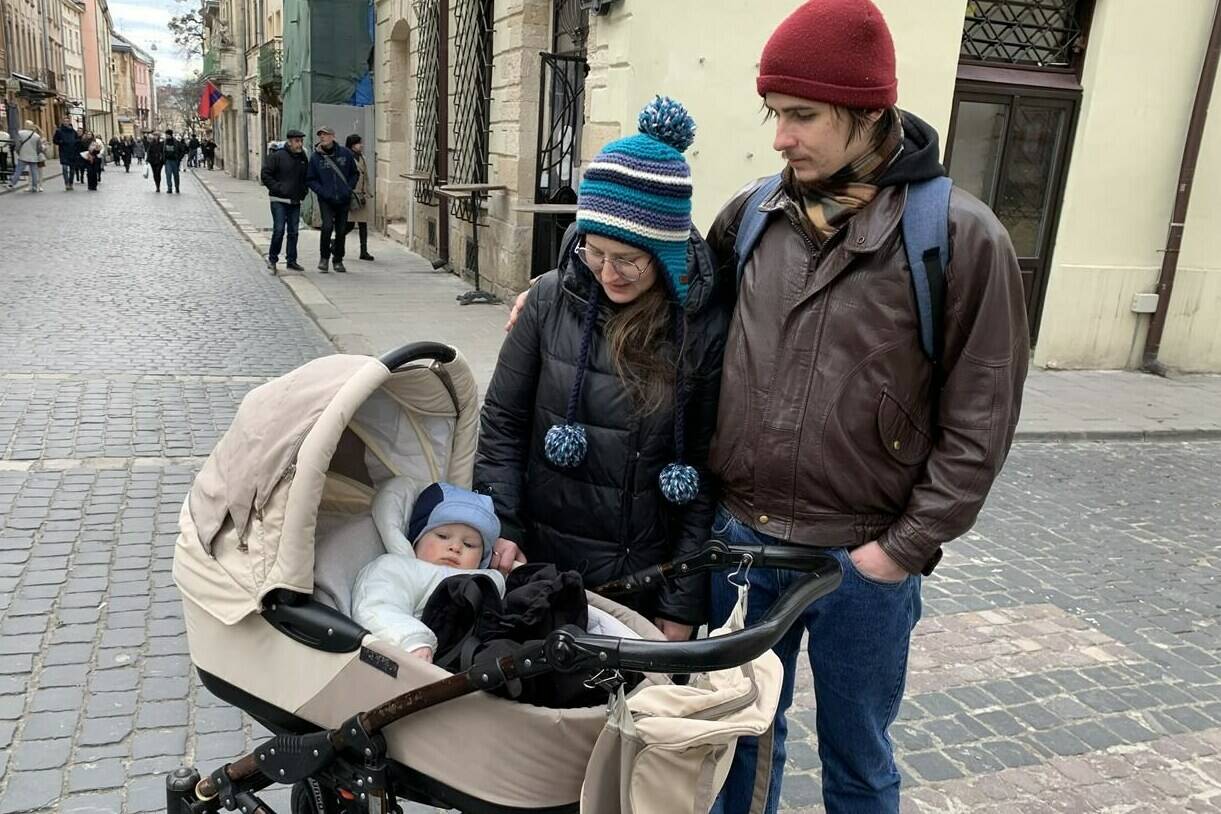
[{"x": 452, "y": 530}]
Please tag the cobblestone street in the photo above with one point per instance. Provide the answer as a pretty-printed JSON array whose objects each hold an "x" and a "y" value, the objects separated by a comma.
[{"x": 1069, "y": 658}]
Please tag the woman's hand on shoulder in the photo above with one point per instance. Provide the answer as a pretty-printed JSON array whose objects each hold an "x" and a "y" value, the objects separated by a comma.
[
  {"x": 519, "y": 304},
  {"x": 673, "y": 631}
]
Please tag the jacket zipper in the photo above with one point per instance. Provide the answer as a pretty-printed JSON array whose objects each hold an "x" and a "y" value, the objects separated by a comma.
[{"x": 629, "y": 489}]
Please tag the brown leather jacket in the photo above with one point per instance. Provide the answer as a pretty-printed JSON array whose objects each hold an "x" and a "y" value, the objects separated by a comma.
[{"x": 825, "y": 435}]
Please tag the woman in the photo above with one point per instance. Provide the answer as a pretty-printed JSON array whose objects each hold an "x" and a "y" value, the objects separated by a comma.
[
  {"x": 83, "y": 138},
  {"x": 95, "y": 159},
  {"x": 359, "y": 217},
  {"x": 137, "y": 149},
  {"x": 597, "y": 422}
]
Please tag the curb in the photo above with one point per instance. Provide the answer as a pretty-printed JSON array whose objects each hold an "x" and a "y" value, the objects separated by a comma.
[
  {"x": 338, "y": 330},
  {"x": 1100, "y": 436}
]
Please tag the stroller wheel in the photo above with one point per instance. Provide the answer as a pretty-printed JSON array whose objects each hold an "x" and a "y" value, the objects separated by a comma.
[{"x": 310, "y": 797}]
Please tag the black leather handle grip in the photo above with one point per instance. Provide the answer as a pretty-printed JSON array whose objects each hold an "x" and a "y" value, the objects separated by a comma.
[
  {"x": 568, "y": 651},
  {"x": 416, "y": 351}
]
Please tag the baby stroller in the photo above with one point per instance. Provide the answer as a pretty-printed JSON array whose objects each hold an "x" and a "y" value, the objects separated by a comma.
[{"x": 272, "y": 538}]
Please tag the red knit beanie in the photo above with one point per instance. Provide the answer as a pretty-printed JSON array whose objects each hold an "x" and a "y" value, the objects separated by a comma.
[{"x": 834, "y": 51}]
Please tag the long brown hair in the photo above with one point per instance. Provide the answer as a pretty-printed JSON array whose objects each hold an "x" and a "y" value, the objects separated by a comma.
[{"x": 642, "y": 349}]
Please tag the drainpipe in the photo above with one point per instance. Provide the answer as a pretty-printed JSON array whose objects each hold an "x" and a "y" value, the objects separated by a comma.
[
  {"x": 1187, "y": 172},
  {"x": 442, "y": 159},
  {"x": 243, "y": 147}
]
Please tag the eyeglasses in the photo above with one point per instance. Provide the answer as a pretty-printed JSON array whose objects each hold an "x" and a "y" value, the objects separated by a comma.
[{"x": 596, "y": 261}]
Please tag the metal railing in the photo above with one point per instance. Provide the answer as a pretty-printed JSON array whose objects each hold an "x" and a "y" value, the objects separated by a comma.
[
  {"x": 213, "y": 65},
  {"x": 270, "y": 61}
]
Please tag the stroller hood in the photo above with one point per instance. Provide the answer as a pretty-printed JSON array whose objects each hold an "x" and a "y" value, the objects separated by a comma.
[{"x": 247, "y": 526}]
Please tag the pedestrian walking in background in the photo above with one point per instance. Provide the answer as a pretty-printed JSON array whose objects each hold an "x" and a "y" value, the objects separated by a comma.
[
  {"x": 332, "y": 175},
  {"x": 83, "y": 139},
  {"x": 209, "y": 151},
  {"x": 31, "y": 156},
  {"x": 138, "y": 149},
  {"x": 114, "y": 150},
  {"x": 125, "y": 152},
  {"x": 156, "y": 158},
  {"x": 284, "y": 174},
  {"x": 65, "y": 140},
  {"x": 362, "y": 201},
  {"x": 6, "y": 147},
  {"x": 94, "y": 158},
  {"x": 175, "y": 151},
  {"x": 193, "y": 151}
]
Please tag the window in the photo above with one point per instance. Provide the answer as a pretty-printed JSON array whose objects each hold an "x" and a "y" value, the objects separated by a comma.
[{"x": 1038, "y": 33}]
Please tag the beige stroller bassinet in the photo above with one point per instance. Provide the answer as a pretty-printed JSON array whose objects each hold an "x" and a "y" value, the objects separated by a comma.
[{"x": 273, "y": 533}]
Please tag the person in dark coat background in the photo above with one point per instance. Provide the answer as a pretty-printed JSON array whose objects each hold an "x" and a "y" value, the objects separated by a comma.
[
  {"x": 283, "y": 174},
  {"x": 332, "y": 176},
  {"x": 69, "y": 153},
  {"x": 598, "y": 419},
  {"x": 156, "y": 157}
]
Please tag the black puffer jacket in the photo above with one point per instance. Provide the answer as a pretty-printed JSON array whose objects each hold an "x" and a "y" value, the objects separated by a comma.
[
  {"x": 606, "y": 517},
  {"x": 284, "y": 174}
]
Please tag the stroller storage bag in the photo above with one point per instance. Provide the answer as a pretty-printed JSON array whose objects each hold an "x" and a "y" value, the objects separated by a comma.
[{"x": 669, "y": 747}]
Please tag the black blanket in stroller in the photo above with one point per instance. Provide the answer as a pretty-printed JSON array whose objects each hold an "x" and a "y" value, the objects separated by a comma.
[{"x": 470, "y": 618}]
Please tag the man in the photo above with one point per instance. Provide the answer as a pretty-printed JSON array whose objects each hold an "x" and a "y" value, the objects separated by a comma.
[
  {"x": 332, "y": 175},
  {"x": 156, "y": 157},
  {"x": 114, "y": 150},
  {"x": 209, "y": 151},
  {"x": 193, "y": 151},
  {"x": 69, "y": 153},
  {"x": 865, "y": 446},
  {"x": 175, "y": 151},
  {"x": 30, "y": 150},
  {"x": 284, "y": 172}
]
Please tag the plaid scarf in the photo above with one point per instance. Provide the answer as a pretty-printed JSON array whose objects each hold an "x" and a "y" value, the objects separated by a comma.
[{"x": 830, "y": 203}]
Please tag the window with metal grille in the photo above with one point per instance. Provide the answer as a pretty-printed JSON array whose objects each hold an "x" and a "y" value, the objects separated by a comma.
[
  {"x": 425, "y": 150},
  {"x": 1040, "y": 33},
  {"x": 472, "y": 97}
]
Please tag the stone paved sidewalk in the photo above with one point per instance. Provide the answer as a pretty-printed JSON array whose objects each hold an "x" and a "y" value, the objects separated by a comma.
[{"x": 400, "y": 297}]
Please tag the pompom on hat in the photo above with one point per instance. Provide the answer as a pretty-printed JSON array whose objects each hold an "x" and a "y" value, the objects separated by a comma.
[
  {"x": 638, "y": 191},
  {"x": 834, "y": 51}
]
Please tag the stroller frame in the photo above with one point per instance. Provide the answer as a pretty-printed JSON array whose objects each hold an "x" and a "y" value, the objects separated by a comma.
[{"x": 350, "y": 761}]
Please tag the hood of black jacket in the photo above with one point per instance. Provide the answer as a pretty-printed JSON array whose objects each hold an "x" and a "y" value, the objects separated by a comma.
[
  {"x": 701, "y": 270},
  {"x": 920, "y": 159}
]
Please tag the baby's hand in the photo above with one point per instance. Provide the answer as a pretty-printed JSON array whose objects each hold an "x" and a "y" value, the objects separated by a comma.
[{"x": 424, "y": 653}]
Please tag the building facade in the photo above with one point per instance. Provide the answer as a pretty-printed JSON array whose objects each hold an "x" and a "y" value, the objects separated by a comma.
[
  {"x": 1029, "y": 98},
  {"x": 143, "y": 81},
  {"x": 224, "y": 64},
  {"x": 33, "y": 29},
  {"x": 96, "y": 28},
  {"x": 74, "y": 60}
]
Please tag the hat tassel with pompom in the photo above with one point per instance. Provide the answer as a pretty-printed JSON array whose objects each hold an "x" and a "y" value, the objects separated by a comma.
[
  {"x": 679, "y": 481},
  {"x": 565, "y": 444}
]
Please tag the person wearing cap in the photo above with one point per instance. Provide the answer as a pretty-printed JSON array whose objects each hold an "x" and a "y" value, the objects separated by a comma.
[
  {"x": 448, "y": 530},
  {"x": 836, "y": 430},
  {"x": 174, "y": 151},
  {"x": 332, "y": 176},
  {"x": 595, "y": 429},
  {"x": 283, "y": 173}
]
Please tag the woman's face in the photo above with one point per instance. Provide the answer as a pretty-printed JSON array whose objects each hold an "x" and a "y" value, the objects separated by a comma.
[{"x": 609, "y": 261}]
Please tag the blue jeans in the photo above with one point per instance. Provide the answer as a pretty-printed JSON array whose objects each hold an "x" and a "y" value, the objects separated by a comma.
[
  {"x": 32, "y": 167},
  {"x": 284, "y": 217},
  {"x": 859, "y": 636},
  {"x": 67, "y": 170},
  {"x": 172, "y": 181}
]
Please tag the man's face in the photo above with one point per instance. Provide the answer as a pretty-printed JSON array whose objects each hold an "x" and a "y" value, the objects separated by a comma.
[
  {"x": 326, "y": 139},
  {"x": 813, "y": 137},
  {"x": 296, "y": 144},
  {"x": 67, "y": 122}
]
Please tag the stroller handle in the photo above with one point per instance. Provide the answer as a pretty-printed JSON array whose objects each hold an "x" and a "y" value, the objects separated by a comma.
[
  {"x": 416, "y": 351},
  {"x": 569, "y": 649}
]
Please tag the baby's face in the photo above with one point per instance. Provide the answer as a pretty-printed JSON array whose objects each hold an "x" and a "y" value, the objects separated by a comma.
[{"x": 455, "y": 545}]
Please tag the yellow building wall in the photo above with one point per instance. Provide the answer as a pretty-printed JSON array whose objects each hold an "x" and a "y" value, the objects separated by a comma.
[
  {"x": 1142, "y": 67},
  {"x": 706, "y": 54}
]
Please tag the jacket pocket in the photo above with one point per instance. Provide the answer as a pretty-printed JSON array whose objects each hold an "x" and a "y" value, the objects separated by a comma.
[{"x": 900, "y": 434}]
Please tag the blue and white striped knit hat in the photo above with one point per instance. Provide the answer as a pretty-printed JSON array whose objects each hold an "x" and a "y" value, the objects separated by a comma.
[{"x": 638, "y": 191}]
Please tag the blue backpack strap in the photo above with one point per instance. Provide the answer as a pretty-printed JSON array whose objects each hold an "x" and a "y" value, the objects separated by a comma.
[
  {"x": 753, "y": 223},
  {"x": 926, "y": 239}
]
